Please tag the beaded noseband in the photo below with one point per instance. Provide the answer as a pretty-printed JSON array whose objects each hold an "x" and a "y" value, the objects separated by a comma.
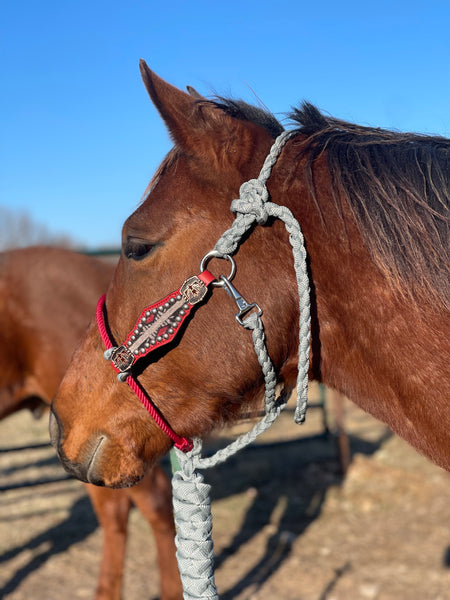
[{"x": 157, "y": 325}]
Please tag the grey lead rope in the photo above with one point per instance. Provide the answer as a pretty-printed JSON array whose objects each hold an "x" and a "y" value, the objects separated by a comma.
[{"x": 191, "y": 500}]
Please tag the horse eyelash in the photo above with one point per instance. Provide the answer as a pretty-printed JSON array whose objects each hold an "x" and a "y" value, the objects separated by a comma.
[{"x": 138, "y": 250}]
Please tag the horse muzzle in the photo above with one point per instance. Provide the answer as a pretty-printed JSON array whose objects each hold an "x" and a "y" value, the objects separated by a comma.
[
  {"x": 86, "y": 469},
  {"x": 97, "y": 460}
]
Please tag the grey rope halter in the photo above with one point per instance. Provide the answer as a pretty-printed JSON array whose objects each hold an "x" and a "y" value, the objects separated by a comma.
[{"x": 192, "y": 508}]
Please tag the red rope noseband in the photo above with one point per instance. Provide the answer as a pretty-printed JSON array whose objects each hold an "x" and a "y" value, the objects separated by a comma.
[{"x": 157, "y": 325}]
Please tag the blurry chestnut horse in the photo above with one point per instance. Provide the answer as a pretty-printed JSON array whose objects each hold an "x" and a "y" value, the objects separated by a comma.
[
  {"x": 47, "y": 296},
  {"x": 373, "y": 207}
]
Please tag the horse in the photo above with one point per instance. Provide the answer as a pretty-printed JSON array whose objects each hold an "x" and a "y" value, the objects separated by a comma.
[
  {"x": 373, "y": 208},
  {"x": 46, "y": 297}
]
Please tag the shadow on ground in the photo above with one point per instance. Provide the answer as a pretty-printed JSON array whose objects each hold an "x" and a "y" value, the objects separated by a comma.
[
  {"x": 80, "y": 523},
  {"x": 287, "y": 480},
  {"x": 290, "y": 479}
]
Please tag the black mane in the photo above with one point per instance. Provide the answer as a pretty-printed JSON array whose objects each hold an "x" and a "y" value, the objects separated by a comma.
[
  {"x": 238, "y": 109},
  {"x": 396, "y": 184},
  {"x": 398, "y": 187}
]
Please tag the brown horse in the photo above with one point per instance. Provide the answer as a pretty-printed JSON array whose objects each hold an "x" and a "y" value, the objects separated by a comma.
[
  {"x": 46, "y": 297},
  {"x": 373, "y": 208}
]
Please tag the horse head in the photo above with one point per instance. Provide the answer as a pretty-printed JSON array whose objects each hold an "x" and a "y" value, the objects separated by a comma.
[{"x": 205, "y": 377}]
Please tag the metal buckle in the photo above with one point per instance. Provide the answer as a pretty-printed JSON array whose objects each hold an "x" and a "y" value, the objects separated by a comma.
[{"x": 244, "y": 306}]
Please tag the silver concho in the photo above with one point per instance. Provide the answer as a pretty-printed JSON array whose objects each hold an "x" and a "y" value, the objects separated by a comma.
[
  {"x": 122, "y": 358},
  {"x": 193, "y": 290}
]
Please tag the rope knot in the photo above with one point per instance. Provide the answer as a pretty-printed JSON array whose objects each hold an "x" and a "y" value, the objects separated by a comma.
[{"x": 253, "y": 196}]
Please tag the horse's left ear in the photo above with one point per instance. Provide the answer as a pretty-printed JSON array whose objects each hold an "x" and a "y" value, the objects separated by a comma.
[
  {"x": 175, "y": 107},
  {"x": 191, "y": 119}
]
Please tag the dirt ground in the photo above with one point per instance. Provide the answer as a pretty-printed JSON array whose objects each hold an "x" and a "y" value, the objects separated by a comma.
[{"x": 287, "y": 525}]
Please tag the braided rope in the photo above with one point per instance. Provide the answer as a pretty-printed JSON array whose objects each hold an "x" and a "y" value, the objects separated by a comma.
[
  {"x": 253, "y": 207},
  {"x": 192, "y": 507}
]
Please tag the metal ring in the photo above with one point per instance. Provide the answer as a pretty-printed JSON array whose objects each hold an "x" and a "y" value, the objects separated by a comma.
[{"x": 217, "y": 254}]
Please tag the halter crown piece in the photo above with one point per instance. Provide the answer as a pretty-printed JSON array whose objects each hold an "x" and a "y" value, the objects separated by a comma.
[{"x": 191, "y": 498}]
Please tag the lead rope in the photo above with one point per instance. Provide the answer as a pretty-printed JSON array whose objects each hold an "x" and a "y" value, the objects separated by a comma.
[{"x": 191, "y": 499}]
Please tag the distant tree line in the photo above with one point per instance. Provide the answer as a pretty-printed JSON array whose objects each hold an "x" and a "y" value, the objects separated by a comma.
[{"x": 18, "y": 229}]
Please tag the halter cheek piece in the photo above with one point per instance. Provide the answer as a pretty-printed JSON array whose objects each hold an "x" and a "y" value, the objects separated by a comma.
[{"x": 157, "y": 325}]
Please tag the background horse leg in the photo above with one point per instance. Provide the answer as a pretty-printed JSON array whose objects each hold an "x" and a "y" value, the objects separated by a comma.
[
  {"x": 342, "y": 440},
  {"x": 112, "y": 508},
  {"x": 153, "y": 497}
]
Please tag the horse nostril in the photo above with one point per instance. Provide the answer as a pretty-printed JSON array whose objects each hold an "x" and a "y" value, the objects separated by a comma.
[
  {"x": 88, "y": 468},
  {"x": 93, "y": 474},
  {"x": 54, "y": 429}
]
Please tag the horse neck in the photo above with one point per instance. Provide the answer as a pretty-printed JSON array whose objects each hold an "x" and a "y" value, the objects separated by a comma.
[{"x": 356, "y": 308}]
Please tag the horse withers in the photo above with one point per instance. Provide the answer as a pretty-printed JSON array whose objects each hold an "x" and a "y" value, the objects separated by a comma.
[
  {"x": 373, "y": 208},
  {"x": 47, "y": 296}
]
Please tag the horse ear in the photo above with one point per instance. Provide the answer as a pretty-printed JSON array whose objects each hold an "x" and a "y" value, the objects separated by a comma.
[
  {"x": 174, "y": 106},
  {"x": 190, "y": 118}
]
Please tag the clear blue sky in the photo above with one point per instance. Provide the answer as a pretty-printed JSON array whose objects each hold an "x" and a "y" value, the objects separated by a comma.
[{"x": 79, "y": 138}]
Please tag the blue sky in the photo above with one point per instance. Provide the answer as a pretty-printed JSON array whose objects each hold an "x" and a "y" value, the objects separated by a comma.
[{"x": 79, "y": 138}]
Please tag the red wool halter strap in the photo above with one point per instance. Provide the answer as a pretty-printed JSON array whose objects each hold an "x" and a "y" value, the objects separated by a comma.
[{"x": 156, "y": 326}]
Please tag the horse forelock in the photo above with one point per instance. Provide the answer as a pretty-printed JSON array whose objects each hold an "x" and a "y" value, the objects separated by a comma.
[{"x": 397, "y": 186}]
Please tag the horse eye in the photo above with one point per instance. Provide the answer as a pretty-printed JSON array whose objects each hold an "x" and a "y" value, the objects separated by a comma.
[{"x": 136, "y": 250}]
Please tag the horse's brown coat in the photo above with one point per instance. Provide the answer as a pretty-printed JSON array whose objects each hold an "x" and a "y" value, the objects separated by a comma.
[
  {"x": 376, "y": 336},
  {"x": 47, "y": 296}
]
